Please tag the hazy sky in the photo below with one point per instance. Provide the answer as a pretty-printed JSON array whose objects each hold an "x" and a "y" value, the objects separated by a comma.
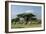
[{"x": 17, "y": 9}]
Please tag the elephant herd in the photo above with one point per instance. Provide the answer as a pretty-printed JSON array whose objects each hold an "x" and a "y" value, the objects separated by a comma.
[{"x": 25, "y": 19}]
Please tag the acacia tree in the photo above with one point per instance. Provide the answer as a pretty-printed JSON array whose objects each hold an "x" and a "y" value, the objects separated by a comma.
[{"x": 27, "y": 17}]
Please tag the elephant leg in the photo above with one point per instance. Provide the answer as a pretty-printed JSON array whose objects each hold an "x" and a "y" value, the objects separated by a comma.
[{"x": 26, "y": 22}]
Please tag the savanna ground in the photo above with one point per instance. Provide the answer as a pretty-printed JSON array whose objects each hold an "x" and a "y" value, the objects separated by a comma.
[{"x": 32, "y": 25}]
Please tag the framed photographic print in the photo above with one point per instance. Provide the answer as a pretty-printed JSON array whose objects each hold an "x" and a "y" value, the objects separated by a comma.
[{"x": 24, "y": 16}]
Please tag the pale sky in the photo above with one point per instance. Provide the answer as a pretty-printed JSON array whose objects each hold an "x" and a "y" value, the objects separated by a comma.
[{"x": 17, "y": 9}]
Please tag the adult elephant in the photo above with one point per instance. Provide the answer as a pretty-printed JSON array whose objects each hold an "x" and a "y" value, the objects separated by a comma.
[{"x": 27, "y": 17}]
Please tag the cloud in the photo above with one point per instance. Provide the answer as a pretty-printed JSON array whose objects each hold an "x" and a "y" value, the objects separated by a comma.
[{"x": 29, "y": 11}]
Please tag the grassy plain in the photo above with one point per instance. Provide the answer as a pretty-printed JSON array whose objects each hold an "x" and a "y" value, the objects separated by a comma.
[{"x": 32, "y": 25}]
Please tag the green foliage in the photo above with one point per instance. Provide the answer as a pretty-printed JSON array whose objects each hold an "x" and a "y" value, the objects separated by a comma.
[
  {"x": 28, "y": 17},
  {"x": 15, "y": 20}
]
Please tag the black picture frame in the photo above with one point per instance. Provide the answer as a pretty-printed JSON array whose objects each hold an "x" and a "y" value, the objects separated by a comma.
[{"x": 7, "y": 12}]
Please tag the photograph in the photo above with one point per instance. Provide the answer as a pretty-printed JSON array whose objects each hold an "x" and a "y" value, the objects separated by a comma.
[{"x": 25, "y": 16}]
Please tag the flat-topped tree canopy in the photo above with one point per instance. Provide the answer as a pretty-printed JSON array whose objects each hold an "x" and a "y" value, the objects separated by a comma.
[{"x": 26, "y": 15}]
